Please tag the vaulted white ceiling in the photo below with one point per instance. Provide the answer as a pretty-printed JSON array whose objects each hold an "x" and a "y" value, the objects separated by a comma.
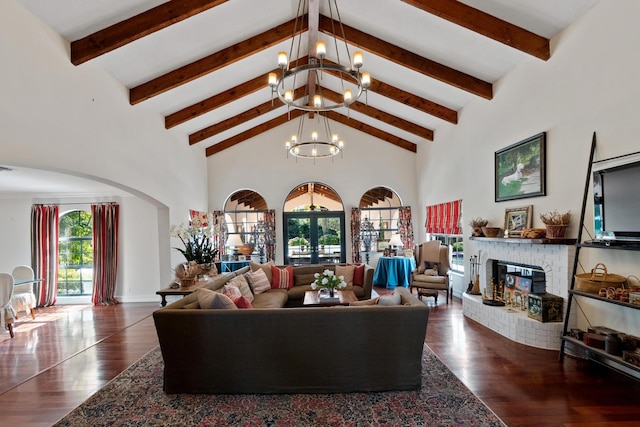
[{"x": 463, "y": 53}]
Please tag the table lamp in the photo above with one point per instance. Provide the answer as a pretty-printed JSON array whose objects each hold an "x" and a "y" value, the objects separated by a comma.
[
  {"x": 234, "y": 241},
  {"x": 395, "y": 242}
]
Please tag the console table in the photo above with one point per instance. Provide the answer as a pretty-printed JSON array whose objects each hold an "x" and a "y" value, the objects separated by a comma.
[
  {"x": 394, "y": 271},
  {"x": 229, "y": 266}
]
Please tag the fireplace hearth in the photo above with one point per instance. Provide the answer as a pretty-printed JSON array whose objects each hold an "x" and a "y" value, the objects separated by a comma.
[{"x": 534, "y": 266}]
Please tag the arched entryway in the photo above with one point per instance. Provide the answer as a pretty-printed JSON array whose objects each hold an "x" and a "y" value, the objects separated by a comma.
[{"x": 314, "y": 226}]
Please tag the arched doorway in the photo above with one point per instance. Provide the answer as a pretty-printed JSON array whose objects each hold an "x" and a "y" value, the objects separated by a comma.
[{"x": 314, "y": 227}]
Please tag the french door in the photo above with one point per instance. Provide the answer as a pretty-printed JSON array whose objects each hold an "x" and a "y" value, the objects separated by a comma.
[{"x": 314, "y": 237}]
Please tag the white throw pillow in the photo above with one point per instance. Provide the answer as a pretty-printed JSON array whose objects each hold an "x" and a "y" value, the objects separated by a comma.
[
  {"x": 393, "y": 299},
  {"x": 241, "y": 283},
  {"x": 211, "y": 299},
  {"x": 258, "y": 281}
]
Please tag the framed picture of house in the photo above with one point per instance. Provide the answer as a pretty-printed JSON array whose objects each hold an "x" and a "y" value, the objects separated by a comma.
[
  {"x": 517, "y": 219},
  {"x": 383, "y": 244},
  {"x": 520, "y": 169}
]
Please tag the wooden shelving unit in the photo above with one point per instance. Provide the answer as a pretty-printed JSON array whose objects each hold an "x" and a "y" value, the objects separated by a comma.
[{"x": 595, "y": 354}]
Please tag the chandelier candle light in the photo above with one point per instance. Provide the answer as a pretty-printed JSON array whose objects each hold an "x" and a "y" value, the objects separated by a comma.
[
  {"x": 351, "y": 79},
  {"x": 311, "y": 73}
]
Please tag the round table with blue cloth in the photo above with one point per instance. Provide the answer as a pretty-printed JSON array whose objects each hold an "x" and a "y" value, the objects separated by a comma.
[{"x": 394, "y": 271}]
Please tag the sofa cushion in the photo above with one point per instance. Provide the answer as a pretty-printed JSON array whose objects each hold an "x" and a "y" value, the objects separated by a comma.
[
  {"x": 346, "y": 271},
  {"x": 241, "y": 283},
  {"x": 282, "y": 278},
  {"x": 192, "y": 305},
  {"x": 264, "y": 267},
  {"x": 273, "y": 298},
  {"x": 212, "y": 299},
  {"x": 297, "y": 292},
  {"x": 302, "y": 279},
  {"x": 258, "y": 281},
  {"x": 358, "y": 275}
]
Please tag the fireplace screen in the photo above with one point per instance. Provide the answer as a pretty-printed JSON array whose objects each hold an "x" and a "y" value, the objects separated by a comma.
[{"x": 519, "y": 278}]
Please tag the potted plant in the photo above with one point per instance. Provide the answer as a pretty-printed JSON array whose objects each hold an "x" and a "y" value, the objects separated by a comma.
[
  {"x": 198, "y": 247},
  {"x": 556, "y": 223}
]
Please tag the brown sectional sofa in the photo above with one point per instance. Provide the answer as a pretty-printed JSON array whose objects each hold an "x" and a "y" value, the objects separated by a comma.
[{"x": 292, "y": 350}]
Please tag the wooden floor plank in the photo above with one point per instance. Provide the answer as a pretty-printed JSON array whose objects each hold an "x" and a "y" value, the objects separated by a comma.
[{"x": 68, "y": 353}]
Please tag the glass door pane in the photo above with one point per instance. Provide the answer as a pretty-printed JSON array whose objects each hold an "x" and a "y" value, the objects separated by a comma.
[
  {"x": 314, "y": 238},
  {"x": 329, "y": 245},
  {"x": 298, "y": 240}
]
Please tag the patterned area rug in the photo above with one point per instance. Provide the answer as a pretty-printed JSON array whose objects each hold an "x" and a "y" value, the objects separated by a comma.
[{"x": 135, "y": 398}]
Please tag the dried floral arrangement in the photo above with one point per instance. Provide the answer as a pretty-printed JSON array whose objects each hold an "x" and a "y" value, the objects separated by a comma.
[
  {"x": 478, "y": 222},
  {"x": 556, "y": 218}
]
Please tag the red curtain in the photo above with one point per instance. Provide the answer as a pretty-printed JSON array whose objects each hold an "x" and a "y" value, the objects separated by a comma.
[
  {"x": 355, "y": 236},
  {"x": 444, "y": 218},
  {"x": 44, "y": 252},
  {"x": 105, "y": 253}
]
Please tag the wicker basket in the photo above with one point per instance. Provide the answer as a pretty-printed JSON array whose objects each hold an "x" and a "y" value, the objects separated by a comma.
[{"x": 598, "y": 278}]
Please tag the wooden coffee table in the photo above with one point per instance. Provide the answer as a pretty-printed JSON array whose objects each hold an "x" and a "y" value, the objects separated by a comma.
[{"x": 312, "y": 299}]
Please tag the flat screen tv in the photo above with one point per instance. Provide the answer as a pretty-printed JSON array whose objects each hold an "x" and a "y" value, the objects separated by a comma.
[{"x": 616, "y": 193}]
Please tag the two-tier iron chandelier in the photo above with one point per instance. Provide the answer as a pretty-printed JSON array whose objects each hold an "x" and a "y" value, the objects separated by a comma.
[{"x": 310, "y": 71}]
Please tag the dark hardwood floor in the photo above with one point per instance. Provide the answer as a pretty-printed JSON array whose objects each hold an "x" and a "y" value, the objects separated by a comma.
[{"x": 68, "y": 352}]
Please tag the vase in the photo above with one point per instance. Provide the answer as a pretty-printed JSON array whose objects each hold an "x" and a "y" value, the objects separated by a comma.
[{"x": 331, "y": 293}]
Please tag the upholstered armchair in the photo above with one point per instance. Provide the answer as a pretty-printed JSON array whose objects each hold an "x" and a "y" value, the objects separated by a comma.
[
  {"x": 432, "y": 269},
  {"x": 23, "y": 297}
]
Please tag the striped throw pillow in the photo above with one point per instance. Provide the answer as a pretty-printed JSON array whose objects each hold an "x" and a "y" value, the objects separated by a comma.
[
  {"x": 258, "y": 281},
  {"x": 282, "y": 278}
]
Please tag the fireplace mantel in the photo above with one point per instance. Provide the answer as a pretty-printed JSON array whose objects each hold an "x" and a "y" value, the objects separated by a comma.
[{"x": 526, "y": 241}]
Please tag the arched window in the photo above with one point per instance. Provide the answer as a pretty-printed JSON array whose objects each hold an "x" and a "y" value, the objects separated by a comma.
[
  {"x": 380, "y": 207},
  {"x": 75, "y": 259},
  {"x": 244, "y": 213}
]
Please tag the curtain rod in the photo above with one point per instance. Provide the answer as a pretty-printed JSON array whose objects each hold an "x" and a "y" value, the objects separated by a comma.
[{"x": 75, "y": 203}]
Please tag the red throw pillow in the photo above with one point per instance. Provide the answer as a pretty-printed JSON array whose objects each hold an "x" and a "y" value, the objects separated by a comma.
[
  {"x": 242, "y": 302},
  {"x": 281, "y": 278},
  {"x": 358, "y": 276}
]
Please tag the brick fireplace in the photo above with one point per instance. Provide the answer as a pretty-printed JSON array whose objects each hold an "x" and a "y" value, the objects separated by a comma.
[{"x": 556, "y": 260}]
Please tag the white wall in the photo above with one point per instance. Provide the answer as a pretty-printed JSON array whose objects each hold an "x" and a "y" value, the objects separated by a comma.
[
  {"x": 261, "y": 164},
  {"x": 589, "y": 85},
  {"x": 77, "y": 120}
]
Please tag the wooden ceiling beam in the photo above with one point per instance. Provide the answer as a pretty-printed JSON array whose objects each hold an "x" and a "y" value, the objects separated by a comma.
[
  {"x": 387, "y": 118},
  {"x": 239, "y": 119},
  {"x": 487, "y": 25},
  {"x": 407, "y": 98},
  {"x": 221, "y": 99},
  {"x": 355, "y": 124},
  {"x": 136, "y": 27},
  {"x": 411, "y": 60},
  {"x": 250, "y": 133},
  {"x": 213, "y": 62},
  {"x": 365, "y": 128}
]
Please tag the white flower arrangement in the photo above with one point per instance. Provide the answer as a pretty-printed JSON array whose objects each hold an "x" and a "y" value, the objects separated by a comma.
[{"x": 328, "y": 280}]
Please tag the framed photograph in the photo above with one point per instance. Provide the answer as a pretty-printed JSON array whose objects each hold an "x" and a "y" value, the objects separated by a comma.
[
  {"x": 517, "y": 219},
  {"x": 520, "y": 169},
  {"x": 383, "y": 244}
]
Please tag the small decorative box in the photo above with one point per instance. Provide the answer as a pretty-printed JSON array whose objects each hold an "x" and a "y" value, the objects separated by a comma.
[
  {"x": 545, "y": 307},
  {"x": 634, "y": 298}
]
